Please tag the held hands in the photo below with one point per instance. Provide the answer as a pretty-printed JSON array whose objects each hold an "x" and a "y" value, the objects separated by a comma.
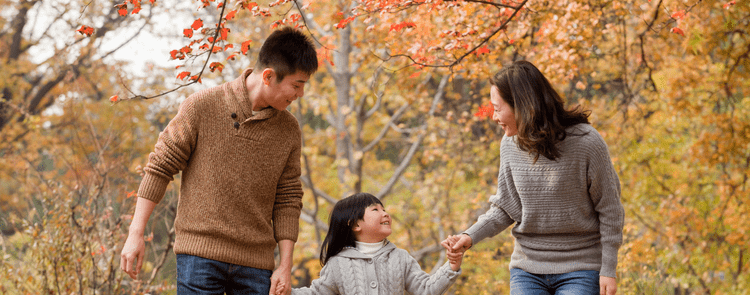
[
  {"x": 455, "y": 247},
  {"x": 281, "y": 282}
]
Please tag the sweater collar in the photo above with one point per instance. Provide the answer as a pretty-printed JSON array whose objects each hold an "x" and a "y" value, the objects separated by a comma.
[
  {"x": 238, "y": 99},
  {"x": 353, "y": 253}
]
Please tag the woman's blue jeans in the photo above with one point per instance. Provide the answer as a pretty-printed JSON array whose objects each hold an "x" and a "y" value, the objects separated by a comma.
[
  {"x": 196, "y": 275},
  {"x": 581, "y": 282}
]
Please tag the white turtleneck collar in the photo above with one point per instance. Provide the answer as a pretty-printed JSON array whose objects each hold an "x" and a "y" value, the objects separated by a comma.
[{"x": 369, "y": 249}]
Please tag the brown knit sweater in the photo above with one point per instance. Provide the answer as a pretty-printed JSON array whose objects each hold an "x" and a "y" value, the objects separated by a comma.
[{"x": 240, "y": 191}]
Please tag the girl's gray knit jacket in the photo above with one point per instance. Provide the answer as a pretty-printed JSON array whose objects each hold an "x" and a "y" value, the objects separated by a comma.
[{"x": 390, "y": 271}]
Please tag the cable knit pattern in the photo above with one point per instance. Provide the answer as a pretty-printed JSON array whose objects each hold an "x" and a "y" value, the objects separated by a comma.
[
  {"x": 391, "y": 271},
  {"x": 567, "y": 212},
  {"x": 240, "y": 191}
]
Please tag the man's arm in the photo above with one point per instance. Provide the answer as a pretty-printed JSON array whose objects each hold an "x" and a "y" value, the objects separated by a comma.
[
  {"x": 134, "y": 249},
  {"x": 281, "y": 280}
]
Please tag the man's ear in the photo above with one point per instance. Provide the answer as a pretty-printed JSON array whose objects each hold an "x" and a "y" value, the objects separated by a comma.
[{"x": 268, "y": 75}]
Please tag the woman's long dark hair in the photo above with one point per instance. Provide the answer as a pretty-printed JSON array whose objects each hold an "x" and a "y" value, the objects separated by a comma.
[
  {"x": 344, "y": 217},
  {"x": 541, "y": 117}
]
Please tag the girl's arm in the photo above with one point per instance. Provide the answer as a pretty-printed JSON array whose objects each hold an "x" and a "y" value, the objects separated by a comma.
[
  {"x": 418, "y": 282},
  {"x": 324, "y": 285}
]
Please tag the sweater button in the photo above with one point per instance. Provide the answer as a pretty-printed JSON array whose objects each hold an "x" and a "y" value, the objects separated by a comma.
[
  {"x": 373, "y": 284},
  {"x": 236, "y": 125},
  {"x": 234, "y": 116}
]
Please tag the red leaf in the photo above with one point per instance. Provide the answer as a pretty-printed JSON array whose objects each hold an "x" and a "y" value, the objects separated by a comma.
[
  {"x": 678, "y": 15},
  {"x": 197, "y": 24},
  {"x": 230, "y": 15},
  {"x": 484, "y": 111},
  {"x": 223, "y": 32},
  {"x": 415, "y": 74},
  {"x": 399, "y": 26},
  {"x": 728, "y": 4},
  {"x": 679, "y": 31},
  {"x": 182, "y": 75},
  {"x": 511, "y": 41},
  {"x": 195, "y": 78},
  {"x": 136, "y": 10},
  {"x": 122, "y": 11},
  {"x": 231, "y": 57},
  {"x": 245, "y": 46},
  {"x": 86, "y": 30},
  {"x": 113, "y": 98},
  {"x": 188, "y": 33},
  {"x": 186, "y": 49},
  {"x": 228, "y": 46},
  {"x": 216, "y": 49},
  {"x": 174, "y": 53},
  {"x": 483, "y": 50}
]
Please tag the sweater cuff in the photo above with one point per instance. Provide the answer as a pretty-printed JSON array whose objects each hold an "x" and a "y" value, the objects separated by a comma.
[
  {"x": 286, "y": 225},
  {"x": 609, "y": 261},
  {"x": 153, "y": 188}
]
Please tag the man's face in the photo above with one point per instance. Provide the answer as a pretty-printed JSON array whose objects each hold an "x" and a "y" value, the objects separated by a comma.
[{"x": 283, "y": 93}]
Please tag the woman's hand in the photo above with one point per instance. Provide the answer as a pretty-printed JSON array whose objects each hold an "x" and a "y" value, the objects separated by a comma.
[
  {"x": 607, "y": 285},
  {"x": 455, "y": 247}
]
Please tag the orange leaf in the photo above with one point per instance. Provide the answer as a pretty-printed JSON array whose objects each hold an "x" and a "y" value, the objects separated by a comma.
[
  {"x": 484, "y": 111},
  {"x": 197, "y": 24},
  {"x": 223, "y": 32},
  {"x": 182, "y": 75},
  {"x": 113, "y": 98},
  {"x": 136, "y": 10},
  {"x": 195, "y": 78},
  {"x": 728, "y": 4},
  {"x": 678, "y": 15},
  {"x": 228, "y": 46},
  {"x": 679, "y": 31},
  {"x": 230, "y": 15},
  {"x": 122, "y": 11},
  {"x": 231, "y": 57},
  {"x": 85, "y": 30},
  {"x": 245, "y": 46},
  {"x": 188, "y": 33},
  {"x": 483, "y": 50},
  {"x": 415, "y": 74},
  {"x": 216, "y": 66}
]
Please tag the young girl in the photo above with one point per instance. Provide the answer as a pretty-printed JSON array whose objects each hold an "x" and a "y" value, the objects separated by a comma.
[{"x": 358, "y": 259}]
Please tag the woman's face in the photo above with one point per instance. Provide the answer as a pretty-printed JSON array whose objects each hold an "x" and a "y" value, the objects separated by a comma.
[{"x": 504, "y": 114}]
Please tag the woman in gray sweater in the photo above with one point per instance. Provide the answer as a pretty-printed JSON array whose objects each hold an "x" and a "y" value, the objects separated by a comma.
[{"x": 557, "y": 185}]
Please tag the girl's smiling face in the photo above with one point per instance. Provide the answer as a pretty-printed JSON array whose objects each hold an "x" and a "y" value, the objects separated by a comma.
[{"x": 374, "y": 226}]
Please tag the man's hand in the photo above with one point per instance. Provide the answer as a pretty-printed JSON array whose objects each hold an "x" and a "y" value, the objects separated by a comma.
[
  {"x": 131, "y": 258},
  {"x": 281, "y": 282},
  {"x": 607, "y": 285},
  {"x": 281, "y": 279}
]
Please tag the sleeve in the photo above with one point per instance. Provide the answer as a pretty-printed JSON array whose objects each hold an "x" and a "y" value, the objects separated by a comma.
[
  {"x": 323, "y": 285},
  {"x": 288, "y": 203},
  {"x": 172, "y": 151},
  {"x": 497, "y": 218},
  {"x": 418, "y": 282},
  {"x": 604, "y": 190},
  {"x": 489, "y": 224}
]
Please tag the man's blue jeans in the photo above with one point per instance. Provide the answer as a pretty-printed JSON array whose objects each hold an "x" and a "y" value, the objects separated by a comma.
[
  {"x": 196, "y": 275},
  {"x": 583, "y": 282}
]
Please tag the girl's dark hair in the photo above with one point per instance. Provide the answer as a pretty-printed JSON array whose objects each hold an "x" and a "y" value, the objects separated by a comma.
[
  {"x": 541, "y": 117},
  {"x": 344, "y": 217}
]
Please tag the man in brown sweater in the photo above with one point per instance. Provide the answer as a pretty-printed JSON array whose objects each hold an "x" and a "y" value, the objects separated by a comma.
[{"x": 239, "y": 152}]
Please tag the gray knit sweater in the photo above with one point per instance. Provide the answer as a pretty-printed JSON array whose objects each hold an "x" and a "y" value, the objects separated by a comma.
[
  {"x": 390, "y": 271},
  {"x": 567, "y": 212}
]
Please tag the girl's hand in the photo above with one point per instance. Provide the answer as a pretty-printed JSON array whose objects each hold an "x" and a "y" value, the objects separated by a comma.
[{"x": 454, "y": 252}]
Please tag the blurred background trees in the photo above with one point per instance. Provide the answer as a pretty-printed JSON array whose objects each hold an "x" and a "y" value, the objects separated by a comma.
[{"x": 395, "y": 110}]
